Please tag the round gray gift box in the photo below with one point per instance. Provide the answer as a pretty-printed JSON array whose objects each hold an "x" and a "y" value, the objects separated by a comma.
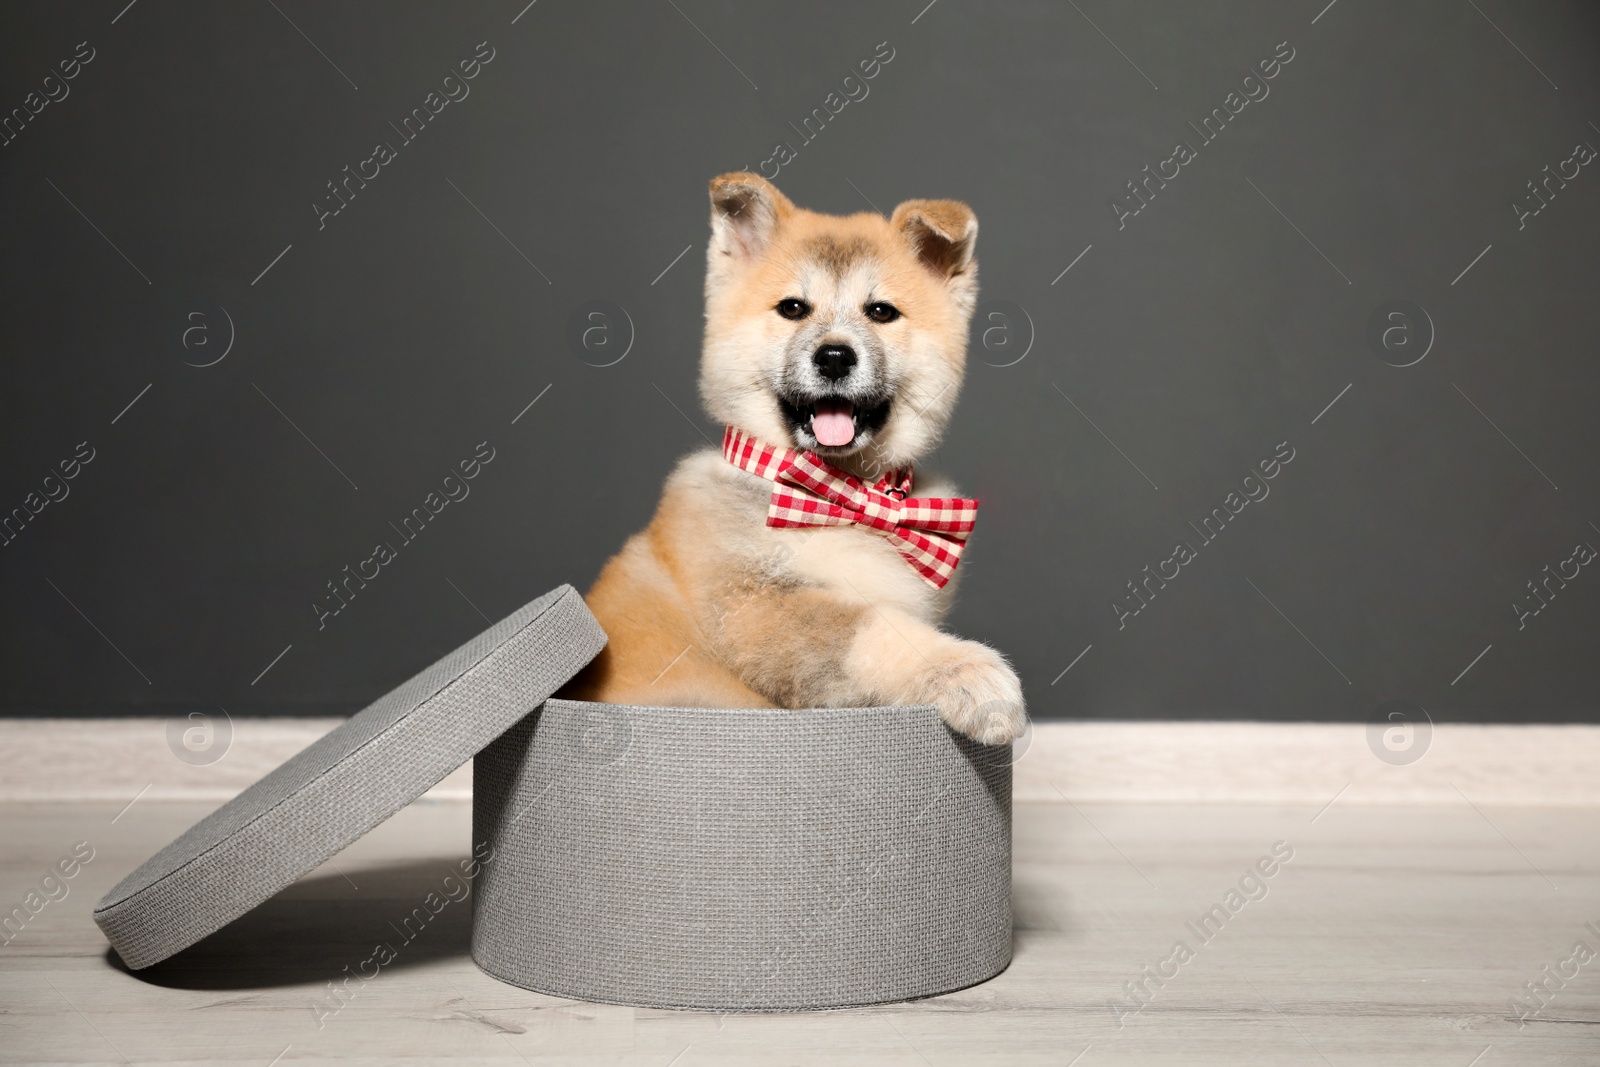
[
  {"x": 741, "y": 860},
  {"x": 734, "y": 860}
]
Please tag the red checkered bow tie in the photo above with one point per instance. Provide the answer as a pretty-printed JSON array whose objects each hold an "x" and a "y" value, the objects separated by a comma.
[{"x": 929, "y": 532}]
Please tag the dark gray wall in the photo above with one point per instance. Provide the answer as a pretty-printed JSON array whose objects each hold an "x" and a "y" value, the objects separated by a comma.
[{"x": 1181, "y": 348}]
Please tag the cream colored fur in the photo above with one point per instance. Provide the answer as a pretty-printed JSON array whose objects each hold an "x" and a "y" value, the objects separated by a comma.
[{"x": 709, "y": 606}]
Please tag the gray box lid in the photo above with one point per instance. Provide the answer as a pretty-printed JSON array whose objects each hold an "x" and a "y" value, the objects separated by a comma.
[{"x": 348, "y": 781}]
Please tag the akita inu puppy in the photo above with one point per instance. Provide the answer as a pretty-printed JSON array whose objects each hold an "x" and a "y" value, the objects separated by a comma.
[{"x": 800, "y": 566}]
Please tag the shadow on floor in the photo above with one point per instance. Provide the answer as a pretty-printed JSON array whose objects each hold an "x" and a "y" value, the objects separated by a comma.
[{"x": 317, "y": 927}]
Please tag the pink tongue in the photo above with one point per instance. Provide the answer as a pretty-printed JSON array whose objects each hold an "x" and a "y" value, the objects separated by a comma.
[{"x": 833, "y": 424}]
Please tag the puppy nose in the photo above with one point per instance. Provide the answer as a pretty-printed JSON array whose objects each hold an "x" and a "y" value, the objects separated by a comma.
[{"x": 834, "y": 361}]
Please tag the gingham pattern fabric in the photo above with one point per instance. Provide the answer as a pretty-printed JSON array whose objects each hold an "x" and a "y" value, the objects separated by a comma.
[{"x": 929, "y": 532}]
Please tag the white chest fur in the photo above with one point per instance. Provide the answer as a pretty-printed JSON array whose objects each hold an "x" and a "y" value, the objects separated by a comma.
[{"x": 855, "y": 562}]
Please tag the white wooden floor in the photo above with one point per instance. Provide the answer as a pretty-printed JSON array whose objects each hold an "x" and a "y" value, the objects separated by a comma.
[{"x": 1395, "y": 935}]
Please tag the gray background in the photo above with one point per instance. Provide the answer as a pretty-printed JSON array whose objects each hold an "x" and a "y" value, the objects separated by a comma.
[{"x": 1222, "y": 320}]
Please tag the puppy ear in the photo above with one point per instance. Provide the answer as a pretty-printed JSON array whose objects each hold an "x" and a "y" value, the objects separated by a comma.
[
  {"x": 745, "y": 212},
  {"x": 944, "y": 233}
]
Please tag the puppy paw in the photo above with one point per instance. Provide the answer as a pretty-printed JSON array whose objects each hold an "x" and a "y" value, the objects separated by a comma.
[{"x": 976, "y": 692}]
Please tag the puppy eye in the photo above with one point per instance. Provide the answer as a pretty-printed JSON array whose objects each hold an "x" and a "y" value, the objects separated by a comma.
[
  {"x": 793, "y": 309},
  {"x": 881, "y": 312}
]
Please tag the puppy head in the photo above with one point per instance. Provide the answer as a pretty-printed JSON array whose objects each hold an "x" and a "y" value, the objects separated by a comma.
[{"x": 841, "y": 335}]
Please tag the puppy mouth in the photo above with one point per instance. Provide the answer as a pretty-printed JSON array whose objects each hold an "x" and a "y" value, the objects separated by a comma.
[{"x": 833, "y": 423}]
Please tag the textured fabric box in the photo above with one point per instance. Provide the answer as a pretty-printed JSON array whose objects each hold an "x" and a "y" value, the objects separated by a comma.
[
  {"x": 732, "y": 860},
  {"x": 348, "y": 781},
  {"x": 741, "y": 860}
]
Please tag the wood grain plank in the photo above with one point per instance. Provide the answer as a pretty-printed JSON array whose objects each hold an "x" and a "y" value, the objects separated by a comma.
[{"x": 1393, "y": 935}]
